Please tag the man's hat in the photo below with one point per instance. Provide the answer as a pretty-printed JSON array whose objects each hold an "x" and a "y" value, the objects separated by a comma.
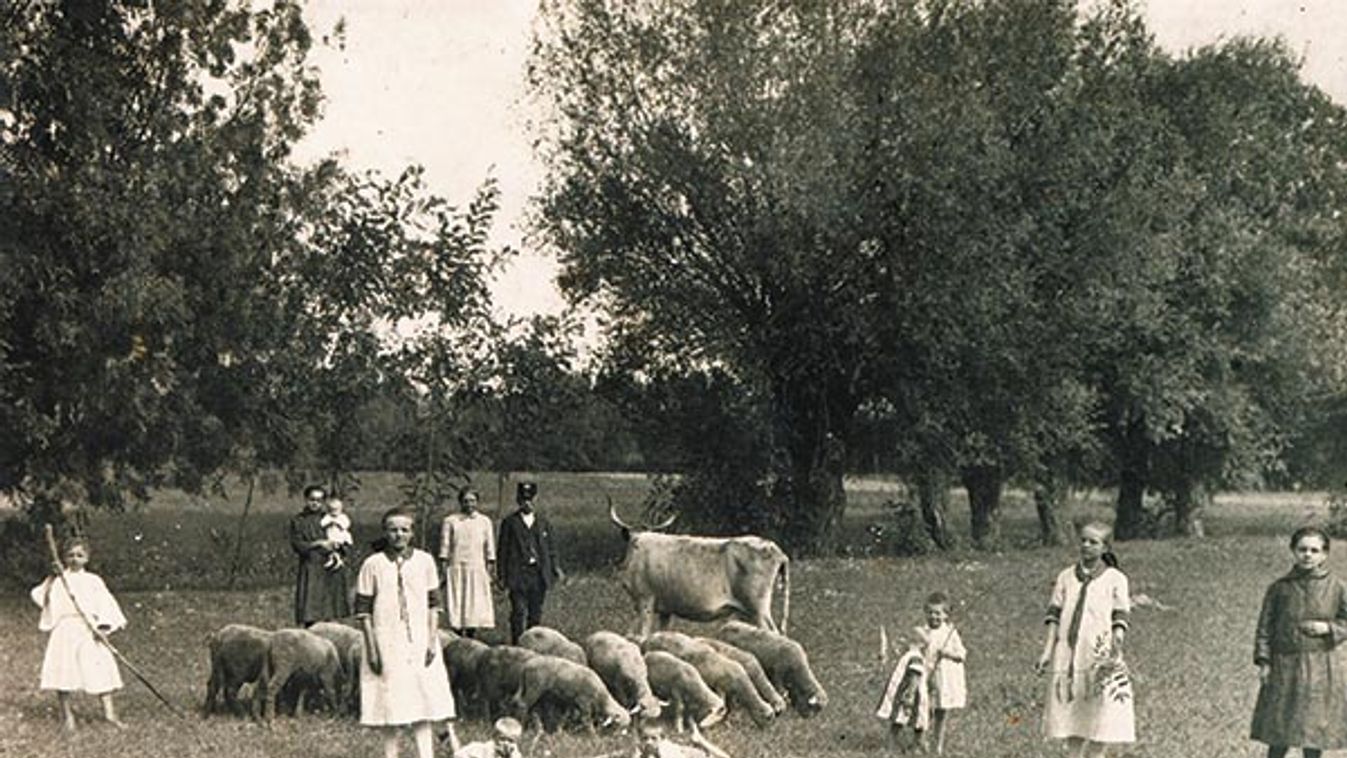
[
  {"x": 508, "y": 727},
  {"x": 526, "y": 490}
]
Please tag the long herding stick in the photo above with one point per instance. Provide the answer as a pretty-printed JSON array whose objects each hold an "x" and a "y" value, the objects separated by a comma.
[{"x": 103, "y": 638}]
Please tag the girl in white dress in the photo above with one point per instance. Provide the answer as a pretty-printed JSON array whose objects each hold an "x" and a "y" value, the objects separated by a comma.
[
  {"x": 76, "y": 660},
  {"x": 403, "y": 681},
  {"x": 1089, "y": 699},
  {"x": 944, "y": 653}
]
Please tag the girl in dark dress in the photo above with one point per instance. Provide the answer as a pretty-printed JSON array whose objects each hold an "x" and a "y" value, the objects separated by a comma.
[{"x": 1302, "y": 701}]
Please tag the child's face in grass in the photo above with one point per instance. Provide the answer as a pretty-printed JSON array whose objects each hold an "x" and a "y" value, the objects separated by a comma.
[
  {"x": 936, "y": 614},
  {"x": 1310, "y": 552}
]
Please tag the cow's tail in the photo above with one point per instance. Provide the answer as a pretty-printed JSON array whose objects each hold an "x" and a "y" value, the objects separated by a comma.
[{"x": 785, "y": 594}]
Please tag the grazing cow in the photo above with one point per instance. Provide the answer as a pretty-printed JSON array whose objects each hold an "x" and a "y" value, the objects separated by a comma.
[
  {"x": 727, "y": 678},
  {"x": 751, "y": 667},
  {"x": 463, "y": 659},
  {"x": 500, "y": 675},
  {"x": 701, "y": 578},
  {"x": 784, "y": 661},
  {"x": 548, "y": 641},
  {"x": 237, "y": 654},
  {"x": 568, "y": 688},
  {"x": 618, "y": 662},
  {"x": 677, "y": 682},
  {"x": 350, "y": 644},
  {"x": 297, "y": 652}
]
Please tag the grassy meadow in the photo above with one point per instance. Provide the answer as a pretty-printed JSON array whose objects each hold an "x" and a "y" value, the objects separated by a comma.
[{"x": 1194, "y": 680}]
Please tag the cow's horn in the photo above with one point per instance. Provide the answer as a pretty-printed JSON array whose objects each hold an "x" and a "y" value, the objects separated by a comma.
[
  {"x": 665, "y": 523},
  {"x": 612, "y": 514}
]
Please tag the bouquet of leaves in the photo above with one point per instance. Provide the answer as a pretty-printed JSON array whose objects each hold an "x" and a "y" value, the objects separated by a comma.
[{"x": 1109, "y": 673}]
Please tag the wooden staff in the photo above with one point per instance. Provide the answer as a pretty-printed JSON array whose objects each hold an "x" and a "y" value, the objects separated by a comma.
[{"x": 103, "y": 638}]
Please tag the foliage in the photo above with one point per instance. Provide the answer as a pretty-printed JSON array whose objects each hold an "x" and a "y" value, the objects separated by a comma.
[
  {"x": 181, "y": 300},
  {"x": 697, "y": 189}
]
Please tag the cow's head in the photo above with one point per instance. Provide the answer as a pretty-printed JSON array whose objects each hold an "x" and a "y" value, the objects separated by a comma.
[{"x": 627, "y": 529}]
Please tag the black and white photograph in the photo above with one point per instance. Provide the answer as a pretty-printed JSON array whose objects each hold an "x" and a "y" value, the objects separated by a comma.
[{"x": 673, "y": 378}]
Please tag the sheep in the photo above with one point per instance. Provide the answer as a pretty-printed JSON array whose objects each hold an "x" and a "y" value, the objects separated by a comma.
[{"x": 237, "y": 654}]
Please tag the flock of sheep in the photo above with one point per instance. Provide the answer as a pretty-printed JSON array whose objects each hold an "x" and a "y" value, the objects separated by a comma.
[{"x": 548, "y": 679}]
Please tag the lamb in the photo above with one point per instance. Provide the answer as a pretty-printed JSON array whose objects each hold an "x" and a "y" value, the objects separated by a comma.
[
  {"x": 677, "y": 682},
  {"x": 463, "y": 657},
  {"x": 785, "y": 662},
  {"x": 500, "y": 675},
  {"x": 754, "y": 670},
  {"x": 548, "y": 641},
  {"x": 720, "y": 673},
  {"x": 350, "y": 644},
  {"x": 619, "y": 664},
  {"x": 297, "y": 652},
  {"x": 568, "y": 687},
  {"x": 237, "y": 653}
]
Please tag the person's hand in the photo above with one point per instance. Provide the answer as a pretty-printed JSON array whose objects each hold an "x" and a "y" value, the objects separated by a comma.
[
  {"x": 1264, "y": 670},
  {"x": 375, "y": 663},
  {"x": 1044, "y": 661},
  {"x": 56, "y": 568},
  {"x": 328, "y": 545},
  {"x": 1315, "y": 628},
  {"x": 430, "y": 653}
]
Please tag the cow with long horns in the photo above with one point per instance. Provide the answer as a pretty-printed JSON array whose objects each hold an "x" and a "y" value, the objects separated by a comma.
[{"x": 701, "y": 578}]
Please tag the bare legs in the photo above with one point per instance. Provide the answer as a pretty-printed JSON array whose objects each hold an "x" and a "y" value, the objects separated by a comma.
[
  {"x": 421, "y": 735},
  {"x": 938, "y": 723},
  {"x": 1079, "y": 747},
  {"x": 63, "y": 699}
]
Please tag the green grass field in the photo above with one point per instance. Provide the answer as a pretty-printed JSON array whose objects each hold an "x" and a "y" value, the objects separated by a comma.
[{"x": 1195, "y": 683}]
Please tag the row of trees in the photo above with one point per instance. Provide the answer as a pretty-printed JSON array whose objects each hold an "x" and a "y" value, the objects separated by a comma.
[
  {"x": 986, "y": 241},
  {"x": 1026, "y": 242}
]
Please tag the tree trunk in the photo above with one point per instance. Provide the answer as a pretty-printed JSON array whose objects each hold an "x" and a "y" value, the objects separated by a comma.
[
  {"x": 1048, "y": 500},
  {"x": 1131, "y": 518},
  {"x": 984, "y": 501},
  {"x": 811, "y": 423},
  {"x": 1190, "y": 501},
  {"x": 933, "y": 494}
]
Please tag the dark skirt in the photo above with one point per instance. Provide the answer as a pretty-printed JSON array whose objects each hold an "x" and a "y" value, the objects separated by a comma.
[{"x": 1303, "y": 703}]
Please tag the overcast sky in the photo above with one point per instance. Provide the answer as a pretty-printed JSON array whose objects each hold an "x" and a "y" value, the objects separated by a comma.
[{"x": 440, "y": 83}]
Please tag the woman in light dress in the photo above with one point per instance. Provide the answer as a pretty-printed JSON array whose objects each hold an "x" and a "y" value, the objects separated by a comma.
[{"x": 468, "y": 553}]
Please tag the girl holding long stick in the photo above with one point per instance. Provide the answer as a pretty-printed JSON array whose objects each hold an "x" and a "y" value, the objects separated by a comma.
[{"x": 76, "y": 659}]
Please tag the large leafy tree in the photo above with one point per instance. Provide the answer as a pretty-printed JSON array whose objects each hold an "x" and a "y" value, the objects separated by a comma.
[
  {"x": 699, "y": 185},
  {"x": 180, "y": 298}
]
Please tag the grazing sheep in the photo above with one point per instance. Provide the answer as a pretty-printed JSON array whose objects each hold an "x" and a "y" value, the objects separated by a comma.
[
  {"x": 720, "y": 673},
  {"x": 237, "y": 653},
  {"x": 463, "y": 658},
  {"x": 500, "y": 675},
  {"x": 618, "y": 662},
  {"x": 350, "y": 644},
  {"x": 548, "y": 641},
  {"x": 752, "y": 668},
  {"x": 784, "y": 660},
  {"x": 677, "y": 682},
  {"x": 297, "y": 652},
  {"x": 568, "y": 688}
]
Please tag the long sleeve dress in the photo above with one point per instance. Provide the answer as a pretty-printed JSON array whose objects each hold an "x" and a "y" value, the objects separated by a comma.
[
  {"x": 75, "y": 660},
  {"x": 1303, "y": 703},
  {"x": 467, "y": 544},
  {"x": 1089, "y": 693},
  {"x": 398, "y": 594},
  {"x": 320, "y": 593}
]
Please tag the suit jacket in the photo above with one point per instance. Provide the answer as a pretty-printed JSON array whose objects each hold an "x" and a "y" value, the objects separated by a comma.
[{"x": 518, "y": 543}]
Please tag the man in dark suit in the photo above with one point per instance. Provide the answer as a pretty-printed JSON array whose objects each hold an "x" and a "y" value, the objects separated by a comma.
[{"x": 526, "y": 560}]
